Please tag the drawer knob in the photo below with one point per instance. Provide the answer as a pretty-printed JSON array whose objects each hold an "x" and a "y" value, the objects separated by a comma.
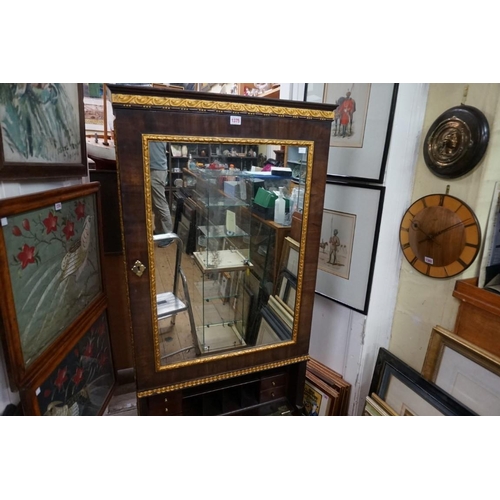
[
  {"x": 272, "y": 394},
  {"x": 274, "y": 383},
  {"x": 166, "y": 399},
  {"x": 166, "y": 409}
]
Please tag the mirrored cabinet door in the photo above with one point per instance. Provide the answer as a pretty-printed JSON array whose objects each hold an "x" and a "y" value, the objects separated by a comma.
[{"x": 218, "y": 286}]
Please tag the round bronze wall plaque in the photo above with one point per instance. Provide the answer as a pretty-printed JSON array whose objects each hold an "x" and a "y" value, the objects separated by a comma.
[{"x": 456, "y": 141}]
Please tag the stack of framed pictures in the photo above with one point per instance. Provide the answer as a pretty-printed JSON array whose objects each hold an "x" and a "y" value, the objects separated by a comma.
[
  {"x": 326, "y": 393},
  {"x": 53, "y": 305}
]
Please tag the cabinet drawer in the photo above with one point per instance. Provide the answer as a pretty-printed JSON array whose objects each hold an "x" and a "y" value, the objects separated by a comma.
[
  {"x": 166, "y": 404},
  {"x": 272, "y": 382},
  {"x": 271, "y": 394}
]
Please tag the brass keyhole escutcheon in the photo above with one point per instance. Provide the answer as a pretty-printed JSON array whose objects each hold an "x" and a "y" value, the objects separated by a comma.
[{"x": 139, "y": 268}]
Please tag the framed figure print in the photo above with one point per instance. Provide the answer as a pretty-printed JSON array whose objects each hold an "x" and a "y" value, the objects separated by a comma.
[
  {"x": 362, "y": 127},
  {"x": 50, "y": 244},
  {"x": 336, "y": 254},
  {"x": 348, "y": 128},
  {"x": 42, "y": 129},
  {"x": 349, "y": 236},
  {"x": 81, "y": 384}
]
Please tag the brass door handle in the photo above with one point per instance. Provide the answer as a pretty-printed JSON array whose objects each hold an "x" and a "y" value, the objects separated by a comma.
[{"x": 138, "y": 268}]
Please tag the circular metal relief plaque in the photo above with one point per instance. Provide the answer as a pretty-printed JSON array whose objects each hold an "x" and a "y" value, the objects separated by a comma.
[{"x": 456, "y": 141}]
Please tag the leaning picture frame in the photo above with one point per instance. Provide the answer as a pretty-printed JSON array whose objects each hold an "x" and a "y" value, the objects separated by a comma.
[
  {"x": 82, "y": 382},
  {"x": 465, "y": 371},
  {"x": 362, "y": 127},
  {"x": 348, "y": 243},
  {"x": 408, "y": 393},
  {"x": 289, "y": 259},
  {"x": 42, "y": 131},
  {"x": 50, "y": 243}
]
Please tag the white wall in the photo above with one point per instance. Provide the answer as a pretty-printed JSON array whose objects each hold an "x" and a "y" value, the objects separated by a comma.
[{"x": 425, "y": 302}]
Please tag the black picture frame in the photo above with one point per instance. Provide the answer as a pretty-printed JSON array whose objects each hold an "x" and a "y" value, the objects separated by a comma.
[
  {"x": 365, "y": 163},
  {"x": 356, "y": 210},
  {"x": 388, "y": 365}
]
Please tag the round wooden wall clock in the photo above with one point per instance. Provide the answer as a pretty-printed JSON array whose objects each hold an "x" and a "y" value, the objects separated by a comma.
[
  {"x": 456, "y": 141},
  {"x": 440, "y": 235}
]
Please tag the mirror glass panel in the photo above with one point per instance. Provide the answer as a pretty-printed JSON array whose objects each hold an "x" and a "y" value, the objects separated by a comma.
[{"x": 221, "y": 242}]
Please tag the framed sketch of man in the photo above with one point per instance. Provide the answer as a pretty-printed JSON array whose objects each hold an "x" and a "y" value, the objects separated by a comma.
[
  {"x": 337, "y": 235},
  {"x": 42, "y": 130},
  {"x": 349, "y": 236}
]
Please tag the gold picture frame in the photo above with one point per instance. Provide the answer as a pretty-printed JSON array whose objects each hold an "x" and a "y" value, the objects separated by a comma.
[{"x": 465, "y": 371}]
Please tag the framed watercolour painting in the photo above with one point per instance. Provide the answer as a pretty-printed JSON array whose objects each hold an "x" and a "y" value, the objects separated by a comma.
[
  {"x": 348, "y": 128},
  {"x": 50, "y": 244},
  {"x": 81, "y": 384},
  {"x": 361, "y": 129},
  {"x": 408, "y": 393},
  {"x": 42, "y": 130},
  {"x": 349, "y": 236}
]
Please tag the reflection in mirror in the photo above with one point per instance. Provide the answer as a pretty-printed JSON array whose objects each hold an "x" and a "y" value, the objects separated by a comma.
[{"x": 226, "y": 266}]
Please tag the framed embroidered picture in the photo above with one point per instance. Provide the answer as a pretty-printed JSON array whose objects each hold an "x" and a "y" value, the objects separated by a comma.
[
  {"x": 50, "y": 244},
  {"x": 42, "y": 130},
  {"x": 81, "y": 384}
]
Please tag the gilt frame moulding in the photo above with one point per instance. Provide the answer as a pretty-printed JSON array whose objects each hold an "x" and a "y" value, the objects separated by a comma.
[
  {"x": 42, "y": 131},
  {"x": 362, "y": 155},
  {"x": 51, "y": 244}
]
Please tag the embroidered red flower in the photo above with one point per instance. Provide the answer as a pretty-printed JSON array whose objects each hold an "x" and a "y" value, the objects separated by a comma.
[
  {"x": 78, "y": 376},
  {"x": 26, "y": 224},
  {"x": 47, "y": 393},
  {"x": 50, "y": 223},
  {"x": 26, "y": 255},
  {"x": 89, "y": 349},
  {"x": 61, "y": 377},
  {"x": 80, "y": 210},
  {"x": 69, "y": 230},
  {"x": 16, "y": 231}
]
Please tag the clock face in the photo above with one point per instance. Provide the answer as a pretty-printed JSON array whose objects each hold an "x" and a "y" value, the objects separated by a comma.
[{"x": 440, "y": 236}]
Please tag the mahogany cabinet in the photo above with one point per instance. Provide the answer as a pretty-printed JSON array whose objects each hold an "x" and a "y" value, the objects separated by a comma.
[{"x": 176, "y": 374}]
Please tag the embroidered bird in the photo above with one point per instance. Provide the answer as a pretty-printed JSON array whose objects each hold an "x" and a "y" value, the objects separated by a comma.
[{"x": 75, "y": 259}]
